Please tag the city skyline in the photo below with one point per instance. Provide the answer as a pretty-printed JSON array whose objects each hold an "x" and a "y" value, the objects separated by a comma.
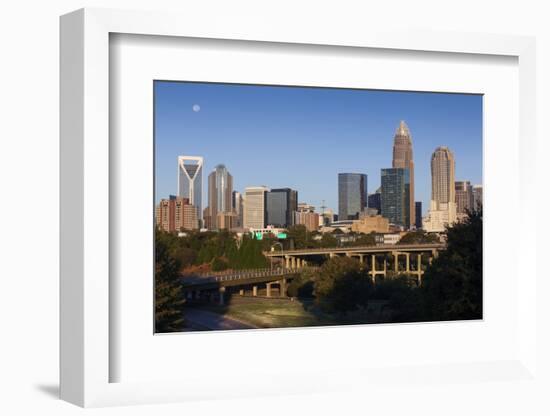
[{"x": 316, "y": 178}]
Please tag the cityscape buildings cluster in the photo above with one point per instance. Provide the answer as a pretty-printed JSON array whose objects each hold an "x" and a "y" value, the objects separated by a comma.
[{"x": 261, "y": 209}]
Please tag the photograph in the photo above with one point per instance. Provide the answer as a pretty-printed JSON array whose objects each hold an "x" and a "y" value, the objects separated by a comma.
[{"x": 291, "y": 206}]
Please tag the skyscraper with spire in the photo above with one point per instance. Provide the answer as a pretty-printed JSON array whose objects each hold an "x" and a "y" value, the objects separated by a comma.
[{"x": 403, "y": 158}]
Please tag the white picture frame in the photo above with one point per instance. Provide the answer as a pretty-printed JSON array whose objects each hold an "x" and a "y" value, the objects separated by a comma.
[{"x": 86, "y": 355}]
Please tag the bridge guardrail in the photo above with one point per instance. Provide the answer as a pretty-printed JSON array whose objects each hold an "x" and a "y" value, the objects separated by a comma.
[{"x": 248, "y": 274}]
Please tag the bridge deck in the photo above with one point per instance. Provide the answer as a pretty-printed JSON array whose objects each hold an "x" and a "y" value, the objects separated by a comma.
[
  {"x": 381, "y": 248},
  {"x": 238, "y": 278}
]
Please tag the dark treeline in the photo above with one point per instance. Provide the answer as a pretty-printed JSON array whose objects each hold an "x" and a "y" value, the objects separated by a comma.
[
  {"x": 217, "y": 250},
  {"x": 451, "y": 287}
]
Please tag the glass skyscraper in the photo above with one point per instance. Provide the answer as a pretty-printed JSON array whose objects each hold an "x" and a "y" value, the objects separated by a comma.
[
  {"x": 395, "y": 196},
  {"x": 220, "y": 191},
  {"x": 352, "y": 195},
  {"x": 190, "y": 180},
  {"x": 280, "y": 207}
]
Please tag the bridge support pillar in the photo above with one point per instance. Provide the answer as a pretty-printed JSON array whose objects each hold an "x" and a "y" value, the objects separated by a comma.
[
  {"x": 293, "y": 262},
  {"x": 222, "y": 295},
  {"x": 268, "y": 290},
  {"x": 331, "y": 255},
  {"x": 373, "y": 268},
  {"x": 407, "y": 257},
  {"x": 395, "y": 255},
  {"x": 419, "y": 268},
  {"x": 385, "y": 266},
  {"x": 361, "y": 258},
  {"x": 254, "y": 290},
  {"x": 241, "y": 292},
  {"x": 282, "y": 287}
]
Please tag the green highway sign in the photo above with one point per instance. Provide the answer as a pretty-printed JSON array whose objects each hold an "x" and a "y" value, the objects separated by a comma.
[{"x": 281, "y": 236}]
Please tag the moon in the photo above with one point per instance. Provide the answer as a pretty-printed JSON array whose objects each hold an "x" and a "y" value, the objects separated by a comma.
[{"x": 196, "y": 108}]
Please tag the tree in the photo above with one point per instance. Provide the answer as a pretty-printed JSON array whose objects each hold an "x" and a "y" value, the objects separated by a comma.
[
  {"x": 418, "y": 237},
  {"x": 365, "y": 240},
  {"x": 300, "y": 237},
  {"x": 452, "y": 286},
  {"x": 168, "y": 294},
  {"x": 328, "y": 240},
  {"x": 219, "y": 264},
  {"x": 302, "y": 285},
  {"x": 342, "y": 285}
]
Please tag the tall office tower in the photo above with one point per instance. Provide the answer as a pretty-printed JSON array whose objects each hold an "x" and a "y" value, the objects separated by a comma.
[
  {"x": 443, "y": 203},
  {"x": 395, "y": 196},
  {"x": 374, "y": 200},
  {"x": 190, "y": 180},
  {"x": 280, "y": 207},
  {"x": 418, "y": 214},
  {"x": 477, "y": 191},
  {"x": 352, "y": 195},
  {"x": 237, "y": 204},
  {"x": 220, "y": 189},
  {"x": 403, "y": 158},
  {"x": 254, "y": 207},
  {"x": 464, "y": 197}
]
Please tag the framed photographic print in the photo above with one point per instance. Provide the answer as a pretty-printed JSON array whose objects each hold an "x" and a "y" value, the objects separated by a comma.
[
  {"x": 239, "y": 244},
  {"x": 228, "y": 197}
]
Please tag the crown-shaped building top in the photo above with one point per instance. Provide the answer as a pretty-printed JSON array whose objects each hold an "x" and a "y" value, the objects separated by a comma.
[{"x": 403, "y": 129}]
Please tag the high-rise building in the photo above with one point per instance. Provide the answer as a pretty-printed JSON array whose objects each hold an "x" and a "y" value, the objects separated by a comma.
[
  {"x": 395, "y": 204},
  {"x": 190, "y": 180},
  {"x": 309, "y": 219},
  {"x": 403, "y": 158},
  {"x": 254, "y": 207},
  {"x": 374, "y": 200},
  {"x": 443, "y": 202},
  {"x": 443, "y": 176},
  {"x": 175, "y": 214},
  {"x": 464, "y": 197},
  {"x": 280, "y": 207},
  {"x": 220, "y": 192},
  {"x": 352, "y": 195},
  {"x": 237, "y": 204},
  {"x": 477, "y": 191},
  {"x": 418, "y": 214}
]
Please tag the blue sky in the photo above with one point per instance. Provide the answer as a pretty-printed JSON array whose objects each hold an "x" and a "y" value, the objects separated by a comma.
[{"x": 303, "y": 137}]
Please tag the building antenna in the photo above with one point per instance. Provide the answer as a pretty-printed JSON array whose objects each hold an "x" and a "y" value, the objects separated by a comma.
[{"x": 323, "y": 206}]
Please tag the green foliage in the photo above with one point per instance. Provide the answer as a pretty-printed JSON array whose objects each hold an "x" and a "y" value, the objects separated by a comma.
[
  {"x": 249, "y": 255},
  {"x": 298, "y": 237},
  {"x": 302, "y": 286},
  {"x": 363, "y": 240},
  {"x": 452, "y": 287},
  {"x": 219, "y": 249},
  {"x": 168, "y": 293},
  {"x": 219, "y": 264},
  {"x": 402, "y": 295},
  {"x": 418, "y": 237},
  {"x": 328, "y": 240},
  {"x": 342, "y": 286}
]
